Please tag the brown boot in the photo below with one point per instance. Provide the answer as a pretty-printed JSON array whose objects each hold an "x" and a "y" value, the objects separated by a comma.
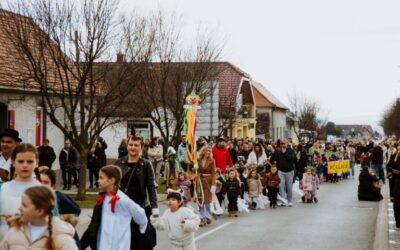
[
  {"x": 236, "y": 213},
  {"x": 203, "y": 222},
  {"x": 230, "y": 214}
]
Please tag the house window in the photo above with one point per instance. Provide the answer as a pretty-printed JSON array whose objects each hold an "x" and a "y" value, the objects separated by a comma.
[{"x": 143, "y": 128}]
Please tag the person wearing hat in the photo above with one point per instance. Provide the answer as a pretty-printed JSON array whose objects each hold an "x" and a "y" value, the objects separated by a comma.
[
  {"x": 221, "y": 155},
  {"x": 9, "y": 139}
]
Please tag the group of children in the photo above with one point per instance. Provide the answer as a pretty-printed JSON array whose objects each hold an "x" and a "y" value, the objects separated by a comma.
[
  {"x": 250, "y": 187},
  {"x": 35, "y": 216}
]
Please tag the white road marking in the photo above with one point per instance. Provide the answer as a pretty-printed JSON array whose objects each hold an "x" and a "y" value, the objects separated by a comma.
[{"x": 212, "y": 231}]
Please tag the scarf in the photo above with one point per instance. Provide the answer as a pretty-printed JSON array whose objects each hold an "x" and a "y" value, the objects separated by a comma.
[{"x": 114, "y": 198}]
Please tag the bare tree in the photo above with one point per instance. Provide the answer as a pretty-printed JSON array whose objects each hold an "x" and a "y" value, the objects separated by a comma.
[
  {"x": 58, "y": 44},
  {"x": 305, "y": 111},
  {"x": 391, "y": 119},
  {"x": 176, "y": 70}
]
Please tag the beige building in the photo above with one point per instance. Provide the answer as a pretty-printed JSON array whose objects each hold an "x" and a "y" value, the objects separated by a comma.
[{"x": 271, "y": 114}]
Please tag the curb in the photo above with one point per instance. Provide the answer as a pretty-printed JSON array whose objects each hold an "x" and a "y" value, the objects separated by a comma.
[{"x": 381, "y": 241}]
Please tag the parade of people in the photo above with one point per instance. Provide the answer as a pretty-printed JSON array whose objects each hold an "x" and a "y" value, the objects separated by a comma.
[{"x": 170, "y": 124}]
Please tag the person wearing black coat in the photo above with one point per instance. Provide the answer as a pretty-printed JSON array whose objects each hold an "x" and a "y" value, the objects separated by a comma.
[
  {"x": 393, "y": 168},
  {"x": 94, "y": 163},
  {"x": 68, "y": 160},
  {"x": 138, "y": 184},
  {"x": 103, "y": 147},
  {"x": 233, "y": 190},
  {"x": 376, "y": 157},
  {"x": 285, "y": 162},
  {"x": 366, "y": 189},
  {"x": 46, "y": 154},
  {"x": 302, "y": 161}
]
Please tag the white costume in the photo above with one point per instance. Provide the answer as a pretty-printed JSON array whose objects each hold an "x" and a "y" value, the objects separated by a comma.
[
  {"x": 253, "y": 158},
  {"x": 10, "y": 199},
  {"x": 115, "y": 228},
  {"x": 5, "y": 164},
  {"x": 180, "y": 234}
]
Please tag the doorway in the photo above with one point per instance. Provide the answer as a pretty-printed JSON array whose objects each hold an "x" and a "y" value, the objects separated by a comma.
[{"x": 3, "y": 116}]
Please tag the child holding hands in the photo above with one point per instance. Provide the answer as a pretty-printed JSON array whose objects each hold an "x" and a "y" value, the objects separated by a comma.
[{"x": 180, "y": 222}]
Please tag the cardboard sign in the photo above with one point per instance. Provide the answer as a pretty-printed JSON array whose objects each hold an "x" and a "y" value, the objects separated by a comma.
[{"x": 338, "y": 166}]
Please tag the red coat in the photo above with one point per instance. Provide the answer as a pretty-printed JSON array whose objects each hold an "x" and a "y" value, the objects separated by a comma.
[{"x": 222, "y": 158}]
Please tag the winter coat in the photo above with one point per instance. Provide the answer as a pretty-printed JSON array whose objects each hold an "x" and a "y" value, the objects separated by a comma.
[
  {"x": 302, "y": 161},
  {"x": 232, "y": 188},
  {"x": 272, "y": 180},
  {"x": 257, "y": 161},
  {"x": 17, "y": 239},
  {"x": 395, "y": 165},
  {"x": 310, "y": 183},
  {"x": 366, "y": 189},
  {"x": 155, "y": 153},
  {"x": 234, "y": 155},
  {"x": 376, "y": 155},
  {"x": 285, "y": 161},
  {"x": 66, "y": 205},
  {"x": 141, "y": 187},
  {"x": 46, "y": 156},
  {"x": 254, "y": 186},
  {"x": 222, "y": 158},
  {"x": 207, "y": 175},
  {"x": 95, "y": 160},
  {"x": 181, "y": 153},
  {"x": 68, "y": 159}
]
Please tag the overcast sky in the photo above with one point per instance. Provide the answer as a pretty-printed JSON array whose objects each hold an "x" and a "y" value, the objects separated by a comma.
[{"x": 343, "y": 53}]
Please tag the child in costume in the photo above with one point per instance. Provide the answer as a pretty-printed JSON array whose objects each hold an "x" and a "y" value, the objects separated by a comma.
[
  {"x": 24, "y": 159},
  {"x": 272, "y": 182},
  {"x": 110, "y": 227},
  {"x": 254, "y": 188},
  {"x": 180, "y": 222},
  {"x": 36, "y": 228},
  {"x": 184, "y": 183},
  {"x": 232, "y": 189},
  {"x": 310, "y": 185}
]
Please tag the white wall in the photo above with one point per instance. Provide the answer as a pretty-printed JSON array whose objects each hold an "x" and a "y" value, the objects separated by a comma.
[
  {"x": 25, "y": 117},
  {"x": 56, "y": 138}
]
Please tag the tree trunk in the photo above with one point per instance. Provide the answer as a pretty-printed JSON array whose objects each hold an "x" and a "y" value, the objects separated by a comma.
[{"x": 81, "y": 195}]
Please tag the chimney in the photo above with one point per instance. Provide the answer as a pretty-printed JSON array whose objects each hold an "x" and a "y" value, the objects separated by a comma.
[{"x": 120, "y": 58}]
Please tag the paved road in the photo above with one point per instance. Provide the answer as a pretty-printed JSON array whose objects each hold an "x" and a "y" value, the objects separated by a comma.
[{"x": 338, "y": 221}]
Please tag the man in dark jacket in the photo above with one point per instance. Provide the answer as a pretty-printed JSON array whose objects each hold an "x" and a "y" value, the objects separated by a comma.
[
  {"x": 68, "y": 160},
  {"x": 46, "y": 154},
  {"x": 285, "y": 160},
  {"x": 376, "y": 158},
  {"x": 138, "y": 184}
]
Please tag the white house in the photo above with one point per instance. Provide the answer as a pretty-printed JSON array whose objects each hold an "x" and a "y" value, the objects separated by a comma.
[{"x": 272, "y": 111}]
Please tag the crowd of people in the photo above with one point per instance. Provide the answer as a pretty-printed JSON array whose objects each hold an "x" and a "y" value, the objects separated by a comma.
[{"x": 237, "y": 175}]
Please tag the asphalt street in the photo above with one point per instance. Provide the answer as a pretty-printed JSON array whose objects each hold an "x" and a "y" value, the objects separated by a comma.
[{"x": 337, "y": 221}]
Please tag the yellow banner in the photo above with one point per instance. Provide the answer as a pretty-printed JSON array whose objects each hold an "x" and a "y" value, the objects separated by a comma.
[{"x": 338, "y": 166}]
